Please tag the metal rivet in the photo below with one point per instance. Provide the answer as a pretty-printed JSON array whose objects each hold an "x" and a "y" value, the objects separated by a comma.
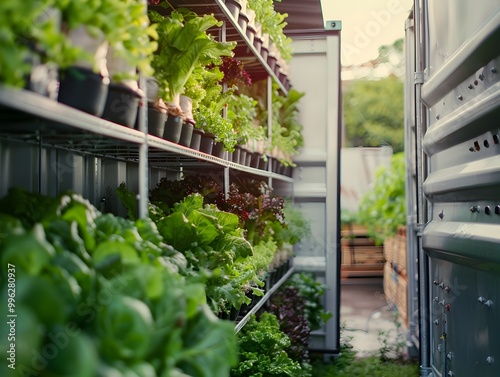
[
  {"x": 449, "y": 356},
  {"x": 470, "y": 86},
  {"x": 471, "y": 149},
  {"x": 474, "y": 209},
  {"x": 497, "y": 210},
  {"x": 460, "y": 97},
  {"x": 493, "y": 70},
  {"x": 481, "y": 76},
  {"x": 441, "y": 285},
  {"x": 436, "y": 299},
  {"x": 486, "y": 143},
  {"x": 435, "y": 282},
  {"x": 436, "y": 322},
  {"x": 481, "y": 299},
  {"x": 437, "y": 116},
  {"x": 476, "y": 82},
  {"x": 490, "y": 360},
  {"x": 451, "y": 374},
  {"x": 441, "y": 302},
  {"x": 441, "y": 215},
  {"x": 476, "y": 146},
  {"x": 487, "y": 210},
  {"x": 489, "y": 303},
  {"x": 447, "y": 289}
]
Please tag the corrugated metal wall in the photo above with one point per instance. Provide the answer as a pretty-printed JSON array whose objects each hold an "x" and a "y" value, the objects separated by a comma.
[{"x": 460, "y": 57}]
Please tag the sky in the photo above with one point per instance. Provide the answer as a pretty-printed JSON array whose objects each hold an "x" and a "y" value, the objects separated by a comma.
[{"x": 366, "y": 25}]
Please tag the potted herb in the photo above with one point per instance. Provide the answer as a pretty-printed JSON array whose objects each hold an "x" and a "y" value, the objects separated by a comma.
[
  {"x": 90, "y": 29},
  {"x": 129, "y": 54}
]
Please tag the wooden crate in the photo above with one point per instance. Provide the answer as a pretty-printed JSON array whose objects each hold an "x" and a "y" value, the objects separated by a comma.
[
  {"x": 396, "y": 291},
  {"x": 395, "y": 251},
  {"x": 359, "y": 254}
]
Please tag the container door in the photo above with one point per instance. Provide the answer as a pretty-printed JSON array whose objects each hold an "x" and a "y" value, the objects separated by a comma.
[{"x": 460, "y": 230}]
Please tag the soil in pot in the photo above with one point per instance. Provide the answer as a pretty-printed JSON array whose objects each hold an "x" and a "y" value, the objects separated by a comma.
[
  {"x": 173, "y": 129},
  {"x": 83, "y": 89},
  {"x": 121, "y": 105},
  {"x": 186, "y": 134}
]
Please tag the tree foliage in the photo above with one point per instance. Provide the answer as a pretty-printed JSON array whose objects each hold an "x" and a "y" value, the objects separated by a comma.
[{"x": 374, "y": 113}]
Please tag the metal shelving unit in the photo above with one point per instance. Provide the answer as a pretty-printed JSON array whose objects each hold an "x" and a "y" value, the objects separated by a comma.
[{"x": 28, "y": 117}]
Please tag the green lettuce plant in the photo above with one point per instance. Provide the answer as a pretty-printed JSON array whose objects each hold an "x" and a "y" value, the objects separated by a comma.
[{"x": 183, "y": 43}]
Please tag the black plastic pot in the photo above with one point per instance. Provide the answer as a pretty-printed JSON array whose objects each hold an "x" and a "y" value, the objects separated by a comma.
[
  {"x": 255, "y": 160},
  {"x": 186, "y": 134},
  {"x": 236, "y": 154},
  {"x": 243, "y": 156},
  {"x": 156, "y": 121},
  {"x": 218, "y": 150},
  {"x": 263, "y": 163},
  {"x": 173, "y": 129},
  {"x": 207, "y": 143},
  {"x": 83, "y": 89},
  {"x": 121, "y": 105},
  {"x": 196, "y": 139}
]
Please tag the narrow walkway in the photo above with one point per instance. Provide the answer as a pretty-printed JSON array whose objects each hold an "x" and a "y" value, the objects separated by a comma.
[{"x": 365, "y": 316}]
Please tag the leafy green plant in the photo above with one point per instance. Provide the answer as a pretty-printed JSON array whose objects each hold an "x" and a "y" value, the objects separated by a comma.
[
  {"x": 286, "y": 129},
  {"x": 124, "y": 303},
  {"x": 288, "y": 305},
  {"x": 183, "y": 43},
  {"x": 382, "y": 209},
  {"x": 123, "y": 24},
  {"x": 25, "y": 29},
  {"x": 262, "y": 348},
  {"x": 272, "y": 23},
  {"x": 313, "y": 291},
  {"x": 241, "y": 111}
]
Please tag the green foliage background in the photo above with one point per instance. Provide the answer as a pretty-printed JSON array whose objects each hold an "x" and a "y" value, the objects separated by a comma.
[
  {"x": 374, "y": 113},
  {"x": 383, "y": 209}
]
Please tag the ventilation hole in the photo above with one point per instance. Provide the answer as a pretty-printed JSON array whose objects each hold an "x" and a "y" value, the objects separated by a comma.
[
  {"x": 497, "y": 210},
  {"x": 496, "y": 139},
  {"x": 476, "y": 146},
  {"x": 487, "y": 210},
  {"x": 486, "y": 144}
]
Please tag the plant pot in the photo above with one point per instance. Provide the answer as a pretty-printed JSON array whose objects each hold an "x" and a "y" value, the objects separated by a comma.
[
  {"x": 152, "y": 88},
  {"x": 248, "y": 161},
  {"x": 257, "y": 43},
  {"x": 243, "y": 156},
  {"x": 196, "y": 139},
  {"x": 236, "y": 154},
  {"x": 121, "y": 105},
  {"x": 218, "y": 150},
  {"x": 83, "y": 89},
  {"x": 234, "y": 7},
  {"x": 271, "y": 61},
  {"x": 264, "y": 52},
  {"x": 263, "y": 162},
  {"x": 250, "y": 32},
  {"x": 186, "y": 134},
  {"x": 243, "y": 22},
  {"x": 173, "y": 129},
  {"x": 207, "y": 143},
  {"x": 156, "y": 121},
  {"x": 255, "y": 160}
]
